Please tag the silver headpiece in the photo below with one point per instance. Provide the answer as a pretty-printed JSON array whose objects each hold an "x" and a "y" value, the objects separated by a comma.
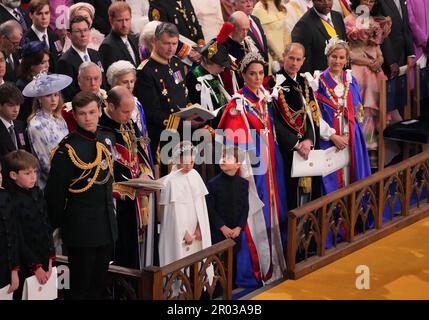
[
  {"x": 185, "y": 147},
  {"x": 333, "y": 42},
  {"x": 250, "y": 58}
]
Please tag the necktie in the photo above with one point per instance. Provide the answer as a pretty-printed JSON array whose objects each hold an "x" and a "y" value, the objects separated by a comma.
[
  {"x": 86, "y": 58},
  {"x": 256, "y": 34},
  {"x": 10, "y": 62},
  {"x": 20, "y": 18},
  {"x": 13, "y": 136},
  {"x": 398, "y": 5},
  {"x": 45, "y": 39},
  {"x": 330, "y": 22},
  {"x": 130, "y": 50}
]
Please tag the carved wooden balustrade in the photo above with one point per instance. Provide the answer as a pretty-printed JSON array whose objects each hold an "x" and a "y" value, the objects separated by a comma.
[
  {"x": 339, "y": 223},
  {"x": 203, "y": 275}
]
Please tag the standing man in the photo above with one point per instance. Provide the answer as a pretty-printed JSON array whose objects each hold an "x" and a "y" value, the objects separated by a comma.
[
  {"x": 120, "y": 44},
  {"x": 182, "y": 14},
  {"x": 80, "y": 202},
  {"x": 316, "y": 27},
  {"x": 11, "y": 10},
  {"x": 238, "y": 44},
  {"x": 161, "y": 86},
  {"x": 398, "y": 47},
  {"x": 130, "y": 161},
  {"x": 69, "y": 63},
  {"x": 12, "y": 131},
  {"x": 40, "y": 31},
  {"x": 256, "y": 31},
  {"x": 296, "y": 118},
  {"x": 10, "y": 41}
]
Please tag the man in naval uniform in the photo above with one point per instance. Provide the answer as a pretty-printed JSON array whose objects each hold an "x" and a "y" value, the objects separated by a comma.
[
  {"x": 182, "y": 14},
  {"x": 161, "y": 86}
]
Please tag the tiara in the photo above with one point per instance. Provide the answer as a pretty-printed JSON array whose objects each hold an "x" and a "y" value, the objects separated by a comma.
[
  {"x": 334, "y": 41},
  {"x": 250, "y": 58},
  {"x": 181, "y": 148}
]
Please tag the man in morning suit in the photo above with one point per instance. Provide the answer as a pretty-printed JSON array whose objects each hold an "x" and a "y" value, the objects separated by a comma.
[
  {"x": 11, "y": 10},
  {"x": 10, "y": 41},
  {"x": 12, "y": 131},
  {"x": 314, "y": 29},
  {"x": 398, "y": 47},
  {"x": 119, "y": 44},
  {"x": 40, "y": 31},
  {"x": 78, "y": 53}
]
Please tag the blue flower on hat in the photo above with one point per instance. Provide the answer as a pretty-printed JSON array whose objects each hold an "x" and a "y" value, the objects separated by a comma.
[{"x": 32, "y": 47}]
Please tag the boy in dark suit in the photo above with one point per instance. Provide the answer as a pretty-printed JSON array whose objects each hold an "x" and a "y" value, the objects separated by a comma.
[
  {"x": 228, "y": 202},
  {"x": 9, "y": 243},
  {"x": 12, "y": 131},
  {"x": 29, "y": 208}
]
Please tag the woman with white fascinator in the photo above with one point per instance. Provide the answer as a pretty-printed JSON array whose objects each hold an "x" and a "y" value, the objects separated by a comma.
[{"x": 46, "y": 127}]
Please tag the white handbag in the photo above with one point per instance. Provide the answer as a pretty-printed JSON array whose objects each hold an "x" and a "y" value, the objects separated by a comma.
[
  {"x": 319, "y": 162},
  {"x": 33, "y": 290}
]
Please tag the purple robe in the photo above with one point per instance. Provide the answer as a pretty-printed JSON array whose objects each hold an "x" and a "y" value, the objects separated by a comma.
[{"x": 418, "y": 16}]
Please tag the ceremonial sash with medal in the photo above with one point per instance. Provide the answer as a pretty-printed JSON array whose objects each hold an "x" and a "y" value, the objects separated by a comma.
[{"x": 340, "y": 108}]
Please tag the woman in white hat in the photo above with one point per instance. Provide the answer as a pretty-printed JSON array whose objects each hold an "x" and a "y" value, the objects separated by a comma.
[{"x": 46, "y": 127}]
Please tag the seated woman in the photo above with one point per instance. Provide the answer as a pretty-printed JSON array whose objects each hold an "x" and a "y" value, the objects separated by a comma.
[
  {"x": 35, "y": 59},
  {"x": 247, "y": 121},
  {"x": 46, "y": 127},
  {"x": 146, "y": 39}
]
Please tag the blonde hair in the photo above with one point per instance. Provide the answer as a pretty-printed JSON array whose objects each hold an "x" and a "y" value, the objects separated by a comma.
[{"x": 37, "y": 106}]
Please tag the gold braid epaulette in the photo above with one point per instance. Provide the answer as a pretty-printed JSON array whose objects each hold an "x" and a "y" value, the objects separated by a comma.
[{"x": 88, "y": 167}]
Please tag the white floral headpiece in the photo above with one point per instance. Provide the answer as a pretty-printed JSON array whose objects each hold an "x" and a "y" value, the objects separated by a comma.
[
  {"x": 184, "y": 147},
  {"x": 250, "y": 58},
  {"x": 334, "y": 41}
]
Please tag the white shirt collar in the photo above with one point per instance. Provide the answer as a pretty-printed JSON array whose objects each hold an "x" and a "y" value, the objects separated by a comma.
[
  {"x": 40, "y": 34},
  {"x": 324, "y": 17},
  {"x": 81, "y": 53},
  {"x": 6, "y": 123}
]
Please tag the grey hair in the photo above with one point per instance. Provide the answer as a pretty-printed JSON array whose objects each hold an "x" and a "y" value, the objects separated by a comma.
[
  {"x": 117, "y": 70},
  {"x": 148, "y": 33},
  {"x": 166, "y": 27},
  {"x": 8, "y": 27},
  {"x": 86, "y": 65}
]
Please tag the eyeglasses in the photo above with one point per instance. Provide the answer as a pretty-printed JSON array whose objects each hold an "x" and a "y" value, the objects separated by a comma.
[
  {"x": 16, "y": 44},
  {"x": 81, "y": 31}
]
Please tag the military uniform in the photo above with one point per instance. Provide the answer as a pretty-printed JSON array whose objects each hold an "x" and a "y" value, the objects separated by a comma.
[
  {"x": 131, "y": 159},
  {"x": 80, "y": 203},
  {"x": 161, "y": 87},
  {"x": 296, "y": 118},
  {"x": 181, "y": 13}
]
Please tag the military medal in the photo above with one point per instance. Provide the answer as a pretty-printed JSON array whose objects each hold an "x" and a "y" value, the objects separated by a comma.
[
  {"x": 164, "y": 92},
  {"x": 104, "y": 164}
]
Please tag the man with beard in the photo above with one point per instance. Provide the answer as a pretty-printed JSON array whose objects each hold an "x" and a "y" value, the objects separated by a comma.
[{"x": 119, "y": 44}]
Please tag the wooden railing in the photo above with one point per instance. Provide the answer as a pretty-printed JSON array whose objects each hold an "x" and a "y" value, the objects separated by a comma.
[
  {"x": 355, "y": 215},
  {"x": 186, "y": 279}
]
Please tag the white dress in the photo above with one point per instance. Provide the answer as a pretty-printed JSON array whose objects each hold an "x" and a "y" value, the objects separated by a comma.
[{"x": 183, "y": 207}]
